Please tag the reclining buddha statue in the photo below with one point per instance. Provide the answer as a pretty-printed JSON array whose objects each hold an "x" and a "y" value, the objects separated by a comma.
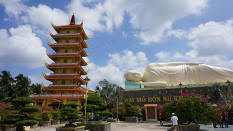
[{"x": 171, "y": 74}]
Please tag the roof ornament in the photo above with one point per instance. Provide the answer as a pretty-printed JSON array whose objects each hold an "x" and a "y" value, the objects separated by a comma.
[
  {"x": 81, "y": 23},
  {"x": 72, "y": 21}
]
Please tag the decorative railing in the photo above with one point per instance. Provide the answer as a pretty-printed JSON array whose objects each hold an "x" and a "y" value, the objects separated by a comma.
[
  {"x": 58, "y": 95},
  {"x": 52, "y": 85},
  {"x": 64, "y": 64},
  {"x": 70, "y": 34},
  {"x": 63, "y": 74}
]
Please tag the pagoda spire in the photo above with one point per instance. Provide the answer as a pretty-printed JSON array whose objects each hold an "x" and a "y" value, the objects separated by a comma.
[{"x": 72, "y": 21}]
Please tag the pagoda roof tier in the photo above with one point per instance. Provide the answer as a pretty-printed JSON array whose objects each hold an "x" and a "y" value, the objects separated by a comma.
[
  {"x": 61, "y": 87},
  {"x": 68, "y": 45},
  {"x": 70, "y": 35},
  {"x": 64, "y": 76},
  {"x": 59, "y": 55},
  {"x": 65, "y": 65},
  {"x": 75, "y": 26},
  {"x": 45, "y": 96},
  {"x": 63, "y": 55}
]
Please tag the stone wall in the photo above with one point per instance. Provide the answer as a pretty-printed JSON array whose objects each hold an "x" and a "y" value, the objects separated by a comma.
[
  {"x": 97, "y": 126},
  {"x": 131, "y": 119}
]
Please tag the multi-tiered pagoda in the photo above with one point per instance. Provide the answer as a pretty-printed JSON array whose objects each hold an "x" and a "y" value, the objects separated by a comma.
[{"x": 67, "y": 67}]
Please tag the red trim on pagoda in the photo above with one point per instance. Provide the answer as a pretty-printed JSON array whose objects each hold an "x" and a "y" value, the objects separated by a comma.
[
  {"x": 65, "y": 76},
  {"x": 66, "y": 65},
  {"x": 61, "y": 87},
  {"x": 64, "y": 55},
  {"x": 64, "y": 45},
  {"x": 65, "y": 35},
  {"x": 71, "y": 26},
  {"x": 83, "y": 53},
  {"x": 45, "y": 96}
]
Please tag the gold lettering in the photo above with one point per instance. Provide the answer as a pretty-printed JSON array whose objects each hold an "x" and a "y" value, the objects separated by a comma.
[
  {"x": 126, "y": 100},
  {"x": 157, "y": 99},
  {"x": 131, "y": 99},
  {"x": 143, "y": 99}
]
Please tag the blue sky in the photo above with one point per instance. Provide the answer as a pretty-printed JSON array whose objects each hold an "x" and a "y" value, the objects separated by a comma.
[{"x": 124, "y": 34}]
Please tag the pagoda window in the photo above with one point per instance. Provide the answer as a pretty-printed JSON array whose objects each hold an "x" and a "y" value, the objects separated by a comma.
[
  {"x": 63, "y": 82},
  {"x": 69, "y": 60},
  {"x": 66, "y": 51},
  {"x": 65, "y": 61},
  {"x": 68, "y": 31},
  {"x": 67, "y": 41}
]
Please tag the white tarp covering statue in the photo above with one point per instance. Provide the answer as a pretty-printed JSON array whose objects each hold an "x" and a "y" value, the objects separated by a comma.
[{"x": 171, "y": 74}]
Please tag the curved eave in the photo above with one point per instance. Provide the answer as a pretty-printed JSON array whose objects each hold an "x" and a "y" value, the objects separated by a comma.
[
  {"x": 55, "y": 37},
  {"x": 62, "y": 76},
  {"x": 56, "y": 28},
  {"x": 83, "y": 62},
  {"x": 84, "y": 45},
  {"x": 63, "y": 55},
  {"x": 64, "y": 45},
  {"x": 53, "y": 88},
  {"x": 54, "y": 66}
]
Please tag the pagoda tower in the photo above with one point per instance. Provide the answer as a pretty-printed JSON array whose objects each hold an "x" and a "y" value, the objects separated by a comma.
[{"x": 67, "y": 67}]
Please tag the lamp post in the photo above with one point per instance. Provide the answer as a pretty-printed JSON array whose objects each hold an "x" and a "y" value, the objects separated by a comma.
[
  {"x": 180, "y": 85},
  {"x": 85, "y": 113},
  {"x": 229, "y": 88}
]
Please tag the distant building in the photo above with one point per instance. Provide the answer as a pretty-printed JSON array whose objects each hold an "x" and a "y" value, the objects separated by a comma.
[{"x": 67, "y": 67}]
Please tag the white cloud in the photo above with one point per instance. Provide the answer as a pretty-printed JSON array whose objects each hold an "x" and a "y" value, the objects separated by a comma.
[
  {"x": 117, "y": 65},
  {"x": 151, "y": 19},
  {"x": 210, "y": 43},
  {"x": 21, "y": 47},
  {"x": 43, "y": 15},
  {"x": 38, "y": 79},
  {"x": 13, "y": 7},
  {"x": 154, "y": 17}
]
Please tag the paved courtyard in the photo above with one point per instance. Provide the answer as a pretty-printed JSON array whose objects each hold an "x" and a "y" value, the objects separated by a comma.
[{"x": 122, "y": 126}]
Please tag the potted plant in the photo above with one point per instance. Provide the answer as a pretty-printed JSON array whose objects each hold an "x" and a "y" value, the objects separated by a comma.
[
  {"x": 132, "y": 113},
  {"x": 55, "y": 117},
  {"x": 70, "y": 113},
  {"x": 45, "y": 119},
  {"x": 95, "y": 104}
]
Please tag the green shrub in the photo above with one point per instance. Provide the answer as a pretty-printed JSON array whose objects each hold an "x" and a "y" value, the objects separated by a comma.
[
  {"x": 45, "y": 116},
  {"x": 22, "y": 101},
  {"x": 55, "y": 115},
  {"x": 106, "y": 113},
  {"x": 190, "y": 108},
  {"x": 29, "y": 109},
  {"x": 26, "y": 123},
  {"x": 72, "y": 104},
  {"x": 121, "y": 112},
  {"x": 133, "y": 110},
  {"x": 69, "y": 112}
]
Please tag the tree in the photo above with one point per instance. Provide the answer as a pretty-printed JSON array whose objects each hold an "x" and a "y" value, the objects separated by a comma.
[
  {"x": 22, "y": 86},
  {"x": 21, "y": 113},
  {"x": 217, "y": 95},
  {"x": 110, "y": 93},
  {"x": 95, "y": 104},
  {"x": 190, "y": 108},
  {"x": 69, "y": 112},
  {"x": 36, "y": 89},
  {"x": 6, "y": 82}
]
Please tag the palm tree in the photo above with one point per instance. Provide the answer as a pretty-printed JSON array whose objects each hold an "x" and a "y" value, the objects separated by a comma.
[
  {"x": 6, "y": 82},
  {"x": 36, "y": 89},
  {"x": 22, "y": 86}
]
